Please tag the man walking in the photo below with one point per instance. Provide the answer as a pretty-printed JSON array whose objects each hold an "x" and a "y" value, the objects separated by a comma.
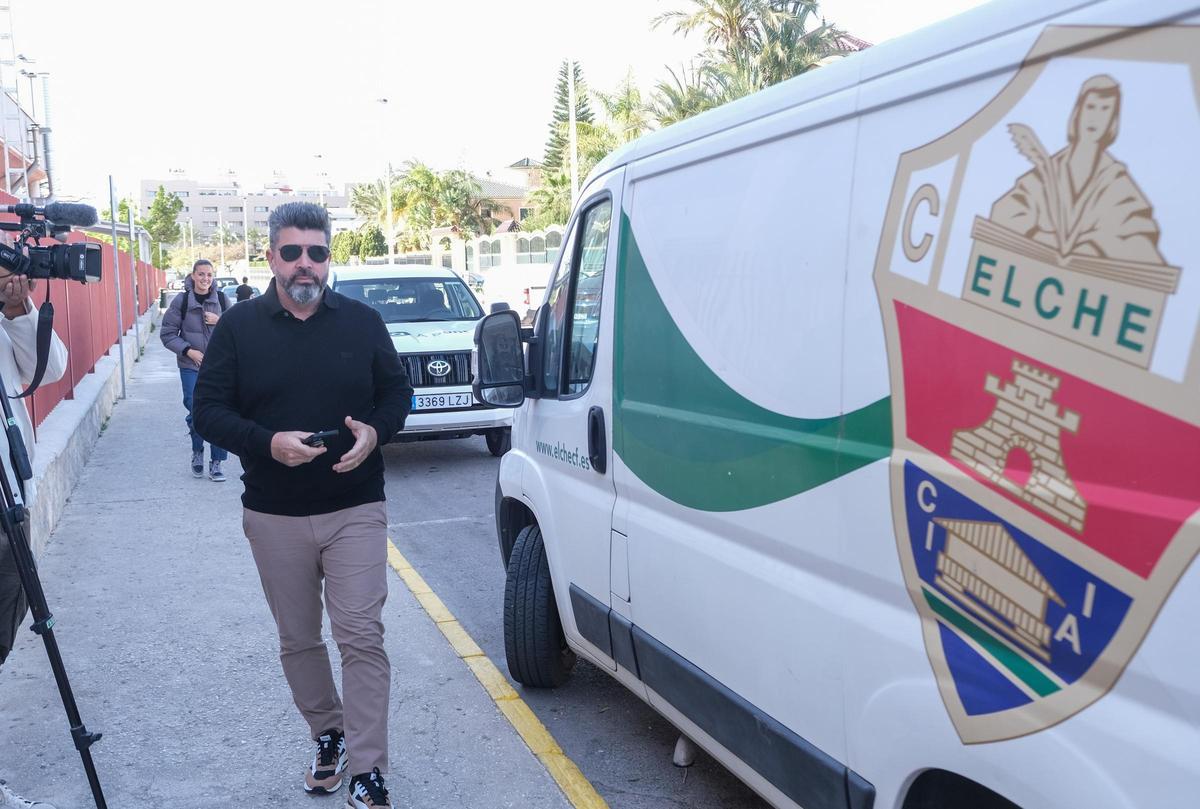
[
  {"x": 301, "y": 359},
  {"x": 244, "y": 292}
]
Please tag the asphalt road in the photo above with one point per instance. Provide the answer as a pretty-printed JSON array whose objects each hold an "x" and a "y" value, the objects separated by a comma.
[{"x": 440, "y": 511}]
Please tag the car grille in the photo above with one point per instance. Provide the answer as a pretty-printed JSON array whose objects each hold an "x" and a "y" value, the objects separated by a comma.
[{"x": 418, "y": 369}]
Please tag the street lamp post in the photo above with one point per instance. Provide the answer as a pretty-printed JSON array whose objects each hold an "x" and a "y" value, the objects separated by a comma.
[
  {"x": 29, "y": 74},
  {"x": 221, "y": 236},
  {"x": 246, "y": 231},
  {"x": 387, "y": 189},
  {"x": 320, "y": 178}
]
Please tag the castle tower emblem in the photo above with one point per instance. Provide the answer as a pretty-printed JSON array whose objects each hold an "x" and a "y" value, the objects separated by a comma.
[{"x": 1025, "y": 418}]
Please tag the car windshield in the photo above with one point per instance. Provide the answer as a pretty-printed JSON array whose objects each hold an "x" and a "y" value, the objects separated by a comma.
[{"x": 413, "y": 300}]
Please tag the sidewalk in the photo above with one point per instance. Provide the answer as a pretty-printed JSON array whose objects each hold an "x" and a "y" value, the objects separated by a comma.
[{"x": 172, "y": 653}]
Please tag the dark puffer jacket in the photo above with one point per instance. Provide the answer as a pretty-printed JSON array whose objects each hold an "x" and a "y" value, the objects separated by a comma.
[{"x": 182, "y": 332}]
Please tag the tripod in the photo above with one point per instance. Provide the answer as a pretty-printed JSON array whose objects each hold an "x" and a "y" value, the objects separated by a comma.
[{"x": 14, "y": 520}]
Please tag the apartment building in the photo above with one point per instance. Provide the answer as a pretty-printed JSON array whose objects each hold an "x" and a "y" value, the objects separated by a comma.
[{"x": 209, "y": 205}]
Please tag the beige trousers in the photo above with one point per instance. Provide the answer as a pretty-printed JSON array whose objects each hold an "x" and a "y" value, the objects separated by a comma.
[{"x": 348, "y": 550}]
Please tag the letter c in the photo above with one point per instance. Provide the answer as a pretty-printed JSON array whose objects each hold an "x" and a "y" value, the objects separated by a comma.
[
  {"x": 923, "y": 488},
  {"x": 912, "y": 251}
]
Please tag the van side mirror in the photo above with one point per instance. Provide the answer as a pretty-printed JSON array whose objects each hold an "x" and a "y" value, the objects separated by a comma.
[
  {"x": 499, "y": 306},
  {"x": 500, "y": 361}
]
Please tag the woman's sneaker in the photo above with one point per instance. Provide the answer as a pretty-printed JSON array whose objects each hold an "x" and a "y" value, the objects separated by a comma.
[
  {"x": 328, "y": 764},
  {"x": 198, "y": 464},
  {"x": 367, "y": 792},
  {"x": 215, "y": 473},
  {"x": 11, "y": 800}
]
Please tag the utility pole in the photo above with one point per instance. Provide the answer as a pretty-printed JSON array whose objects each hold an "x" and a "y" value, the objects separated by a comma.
[
  {"x": 133, "y": 259},
  {"x": 112, "y": 200},
  {"x": 246, "y": 231},
  {"x": 387, "y": 189},
  {"x": 571, "y": 122}
]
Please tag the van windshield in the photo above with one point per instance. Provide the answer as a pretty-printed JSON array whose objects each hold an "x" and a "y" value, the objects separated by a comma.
[{"x": 414, "y": 300}]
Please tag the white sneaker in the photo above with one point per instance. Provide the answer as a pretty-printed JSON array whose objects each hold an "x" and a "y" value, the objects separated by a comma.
[{"x": 11, "y": 800}]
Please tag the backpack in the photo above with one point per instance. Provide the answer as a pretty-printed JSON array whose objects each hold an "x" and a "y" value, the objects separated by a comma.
[{"x": 183, "y": 303}]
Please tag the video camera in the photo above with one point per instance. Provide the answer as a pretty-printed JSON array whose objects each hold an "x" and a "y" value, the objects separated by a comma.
[{"x": 78, "y": 261}]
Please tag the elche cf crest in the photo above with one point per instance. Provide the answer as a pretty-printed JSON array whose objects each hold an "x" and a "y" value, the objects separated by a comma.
[{"x": 1039, "y": 277}]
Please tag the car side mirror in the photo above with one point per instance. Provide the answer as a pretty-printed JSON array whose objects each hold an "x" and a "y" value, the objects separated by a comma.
[
  {"x": 499, "y": 378},
  {"x": 499, "y": 306}
]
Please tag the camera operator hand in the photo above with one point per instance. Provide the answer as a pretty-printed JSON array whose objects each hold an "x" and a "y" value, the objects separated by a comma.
[
  {"x": 14, "y": 289},
  {"x": 287, "y": 448}
]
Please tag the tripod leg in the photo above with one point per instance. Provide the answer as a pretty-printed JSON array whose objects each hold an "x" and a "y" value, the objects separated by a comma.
[{"x": 13, "y": 521}]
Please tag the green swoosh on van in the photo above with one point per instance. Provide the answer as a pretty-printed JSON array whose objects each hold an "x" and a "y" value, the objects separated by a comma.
[{"x": 696, "y": 441}]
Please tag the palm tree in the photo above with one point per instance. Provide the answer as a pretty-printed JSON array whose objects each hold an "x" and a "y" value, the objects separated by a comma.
[
  {"x": 625, "y": 108},
  {"x": 730, "y": 26},
  {"x": 418, "y": 189},
  {"x": 224, "y": 234},
  {"x": 450, "y": 199},
  {"x": 551, "y": 201},
  {"x": 788, "y": 48},
  {"x": 256, "y": 239},
  {"x": 753, "y": 44},
  {"x": 690, "y": 92},
  {"x": 368, "y": 200},
  {"x": 460, "y": 203}
]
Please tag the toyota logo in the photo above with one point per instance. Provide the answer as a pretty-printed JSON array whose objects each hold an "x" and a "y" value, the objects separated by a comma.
[{"x": 438, "y": 368}]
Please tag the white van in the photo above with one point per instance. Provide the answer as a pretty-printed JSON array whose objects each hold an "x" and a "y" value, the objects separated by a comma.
[
  {"x": 860, "y": 430},
  {"x": 431, "y": 316}
]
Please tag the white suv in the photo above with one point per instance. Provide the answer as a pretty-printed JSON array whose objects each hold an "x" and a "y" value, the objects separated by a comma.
[{"x": 431, "y": 315}]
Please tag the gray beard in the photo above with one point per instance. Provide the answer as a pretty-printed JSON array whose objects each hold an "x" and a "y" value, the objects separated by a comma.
[{"x": 303, "y": 294}]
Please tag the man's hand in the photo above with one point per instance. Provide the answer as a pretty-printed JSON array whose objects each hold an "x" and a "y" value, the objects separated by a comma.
[
  {"x": 365, "y": 440},
  {"x": 194, "y": 355},
  {"x": 14, "y": 289},
  {"x": 211, "y": 318},
  {"x": 287, "y": 449}
]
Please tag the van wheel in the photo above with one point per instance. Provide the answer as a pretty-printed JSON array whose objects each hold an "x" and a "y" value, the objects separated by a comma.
[
  {"x": 534, "y": 642},
  {"x": 499, "y": 440}
]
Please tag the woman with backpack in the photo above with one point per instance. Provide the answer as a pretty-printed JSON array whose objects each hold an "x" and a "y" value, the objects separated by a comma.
[{"x": 186, "y": 328}]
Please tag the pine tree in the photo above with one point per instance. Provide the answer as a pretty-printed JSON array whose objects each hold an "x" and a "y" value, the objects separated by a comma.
[
  {"x": 556, "y": 146},
  {"x": 373, "y": 243}
]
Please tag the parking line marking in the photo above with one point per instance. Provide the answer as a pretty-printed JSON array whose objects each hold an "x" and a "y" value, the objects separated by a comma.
[{"x": 577, "y": 788}]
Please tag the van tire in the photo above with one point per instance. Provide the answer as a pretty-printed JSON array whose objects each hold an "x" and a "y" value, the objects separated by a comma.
[
  {"x": 534, "y": 643},
  {"x": 499, "y": 440}
]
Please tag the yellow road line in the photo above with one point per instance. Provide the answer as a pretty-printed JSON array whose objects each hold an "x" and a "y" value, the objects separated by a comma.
[{"x": 570, "y": 780}]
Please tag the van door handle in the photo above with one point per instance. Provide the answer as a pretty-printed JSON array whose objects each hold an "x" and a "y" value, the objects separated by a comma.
[{"x": 597, "y": 444}]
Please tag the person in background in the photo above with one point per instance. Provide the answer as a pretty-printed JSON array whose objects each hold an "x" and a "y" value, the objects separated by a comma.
[
  {"x": 244, "y": 292},
  {"x": 187, "y": 326}
]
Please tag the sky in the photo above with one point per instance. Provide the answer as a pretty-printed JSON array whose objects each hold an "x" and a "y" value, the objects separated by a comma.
[{"x": 141, "y": 87}]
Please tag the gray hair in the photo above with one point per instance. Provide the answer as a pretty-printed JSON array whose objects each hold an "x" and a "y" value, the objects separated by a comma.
[{"x": 302, "y": 215}]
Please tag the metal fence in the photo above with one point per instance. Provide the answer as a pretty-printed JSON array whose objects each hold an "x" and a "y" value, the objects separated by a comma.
[{"x": 85, "y": 317}]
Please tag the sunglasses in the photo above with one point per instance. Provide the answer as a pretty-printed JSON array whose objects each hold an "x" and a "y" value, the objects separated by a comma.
[{"x": 316, "y": 252}]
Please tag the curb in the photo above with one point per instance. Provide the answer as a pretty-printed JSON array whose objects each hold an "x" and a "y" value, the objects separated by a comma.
[{"x": 67, "y": 435}]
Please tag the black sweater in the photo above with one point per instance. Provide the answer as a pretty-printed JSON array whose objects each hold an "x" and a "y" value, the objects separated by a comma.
[{"x": 266, "y": 371}]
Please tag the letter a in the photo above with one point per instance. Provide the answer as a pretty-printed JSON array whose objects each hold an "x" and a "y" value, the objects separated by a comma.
[{"x": 1069, "y": 629}]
